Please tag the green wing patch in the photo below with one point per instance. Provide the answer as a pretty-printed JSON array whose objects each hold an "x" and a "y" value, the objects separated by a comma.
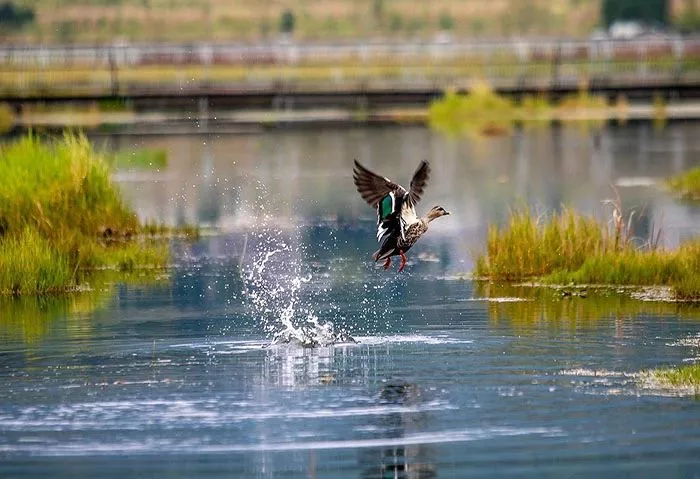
[{"x": 386, "y": 206}]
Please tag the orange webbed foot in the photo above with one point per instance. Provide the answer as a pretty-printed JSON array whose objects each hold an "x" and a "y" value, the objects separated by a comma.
[{"x": 403, "y": 261}]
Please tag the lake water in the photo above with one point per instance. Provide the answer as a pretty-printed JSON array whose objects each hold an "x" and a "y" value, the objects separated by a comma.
[{"x": 445, "y": 377}]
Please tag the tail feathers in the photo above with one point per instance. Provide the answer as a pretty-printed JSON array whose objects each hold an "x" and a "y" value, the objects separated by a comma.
[{"x": 380, "y": 255}]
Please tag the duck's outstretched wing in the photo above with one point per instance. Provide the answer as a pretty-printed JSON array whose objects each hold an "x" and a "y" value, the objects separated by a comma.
[
  {"x": 373, "y": 187},
  {"x": 420, "y": 179}
]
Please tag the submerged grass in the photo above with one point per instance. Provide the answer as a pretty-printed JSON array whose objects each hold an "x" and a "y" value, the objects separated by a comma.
[
  {"x": 687, "y": 184},
  {"x": 60, "y": 215},
  {"x": 568, "y": 247}
]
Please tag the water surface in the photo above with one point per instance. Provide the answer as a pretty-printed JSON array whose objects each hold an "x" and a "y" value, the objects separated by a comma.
[{"x": 446, "y": 377}]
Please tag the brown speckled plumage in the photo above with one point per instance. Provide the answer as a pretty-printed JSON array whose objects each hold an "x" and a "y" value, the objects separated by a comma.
[{"x": 398, "y": 228}]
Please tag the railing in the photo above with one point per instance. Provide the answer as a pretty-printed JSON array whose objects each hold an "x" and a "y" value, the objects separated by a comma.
[{"x": 124, "y": 68}]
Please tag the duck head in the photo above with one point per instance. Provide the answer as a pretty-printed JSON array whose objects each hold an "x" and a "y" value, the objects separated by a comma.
[{"x": 436, "y": 212}]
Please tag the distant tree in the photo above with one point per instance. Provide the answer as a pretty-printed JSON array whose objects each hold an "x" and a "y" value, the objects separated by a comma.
[
  {"x": 396, "y": 22},
  {"x": 645, "y": 11},
  {"x": 15, "y": 17},
  {"x": 287, "y": 22},
  {"x": 446, "y": 21},
  {"x": 65, "y": 31},
  {"x": 378, "y": 10},
  {"x": 689, "y": 20},
  {"x": 265, "y": 27}
]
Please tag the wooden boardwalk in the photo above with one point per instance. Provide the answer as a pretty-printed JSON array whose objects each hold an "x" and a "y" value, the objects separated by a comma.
[{"x": 287, "y": 75}]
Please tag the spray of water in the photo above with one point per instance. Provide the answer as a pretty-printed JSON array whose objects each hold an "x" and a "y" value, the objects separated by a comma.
[{"x": 278, "y": 293}]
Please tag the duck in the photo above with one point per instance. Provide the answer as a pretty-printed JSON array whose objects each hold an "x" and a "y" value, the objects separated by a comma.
[{"x": 398, "y": 225}]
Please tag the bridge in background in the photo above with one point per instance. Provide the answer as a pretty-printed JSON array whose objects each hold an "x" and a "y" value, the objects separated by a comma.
[{"x": 290, "y": 75}]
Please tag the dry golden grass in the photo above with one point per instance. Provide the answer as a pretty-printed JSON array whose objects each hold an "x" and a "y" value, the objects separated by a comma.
[{"x": 251, "y": 19}]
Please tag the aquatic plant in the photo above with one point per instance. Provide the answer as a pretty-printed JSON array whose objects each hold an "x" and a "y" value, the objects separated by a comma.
[
  {"x": 7, "y": 118},
  {"x": 660, "y": 112},
  {"x": 536, "y": 110},
  {"x": 59, "y": 188},
  {"x": 687, "y": 184},
  {"x": 568, "y": 247},
  {"x": 481, "y": 112},
  {"x": 60, "y": 215},
  {"x": 528, "y": 247},
  {"x": 686, "y": 377},
  {"x": 30, "y": 264},
  {"x": 143, "y": 158},
  {"x": 622, "y": 107},
  {"x": 583, "y": 107}
]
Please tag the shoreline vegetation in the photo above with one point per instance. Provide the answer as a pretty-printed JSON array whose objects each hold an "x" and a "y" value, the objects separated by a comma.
[
  {"x": 569, "y": 248},
  {"x": 449, "y": 115},
  {"x": 483, "y": 112},
  {"x": 686, "y": 184},
  {"x": 682, "y": 379},
  {"x": 62, "y": 220}
]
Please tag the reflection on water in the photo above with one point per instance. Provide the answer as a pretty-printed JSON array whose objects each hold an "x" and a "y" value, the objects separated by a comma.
[
  {"x": 31, "y": 318},
  {"x": 28, "y": 319},
  {"x": 571, "y": 309},
  {"x": 399, "y": 461},
  {"x": 301, "y": 177}
]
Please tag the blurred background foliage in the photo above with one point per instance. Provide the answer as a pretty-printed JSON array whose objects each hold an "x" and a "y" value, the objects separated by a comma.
[{"x": 90, "y": 21}]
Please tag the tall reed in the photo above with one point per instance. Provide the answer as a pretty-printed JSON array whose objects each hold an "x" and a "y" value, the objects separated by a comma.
[{"x": 568, "y": 247}]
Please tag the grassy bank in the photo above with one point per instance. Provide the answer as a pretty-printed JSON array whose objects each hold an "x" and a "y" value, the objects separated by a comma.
[
  {"x": 686, "y": 184},
  {"x": 568, "y": 247},
  {"x": 61, "y": 218}
]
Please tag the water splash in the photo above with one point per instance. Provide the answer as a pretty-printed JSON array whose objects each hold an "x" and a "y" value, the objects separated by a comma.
[{"x": 278, "y": 292}]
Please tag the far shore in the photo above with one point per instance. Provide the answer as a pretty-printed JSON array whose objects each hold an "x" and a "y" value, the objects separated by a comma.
[{"x": 215, "y": 120}]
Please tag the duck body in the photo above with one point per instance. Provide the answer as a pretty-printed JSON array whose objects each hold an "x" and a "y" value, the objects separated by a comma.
[
  {"x": 398, "y": 231},
  {"x": 398, "y": 225}
]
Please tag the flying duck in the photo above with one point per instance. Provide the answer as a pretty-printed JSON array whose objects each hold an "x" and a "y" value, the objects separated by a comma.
[{"x": 398, "y": 226}]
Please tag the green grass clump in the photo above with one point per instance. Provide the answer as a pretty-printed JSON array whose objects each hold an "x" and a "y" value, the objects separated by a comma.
[
  {"x": 29, "y": 264},
  {"x": 683, "y": 377},
  {"x": 481, "y": 112},
  {"x": 61, "y": 216},
  {"x": 686, "y": 184},
  {"x": 568, "y": 247},
  {"x": 527, "y": 247},
  {"x": 145, "y": 158},
  {"x": 61, "y": 189}
]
